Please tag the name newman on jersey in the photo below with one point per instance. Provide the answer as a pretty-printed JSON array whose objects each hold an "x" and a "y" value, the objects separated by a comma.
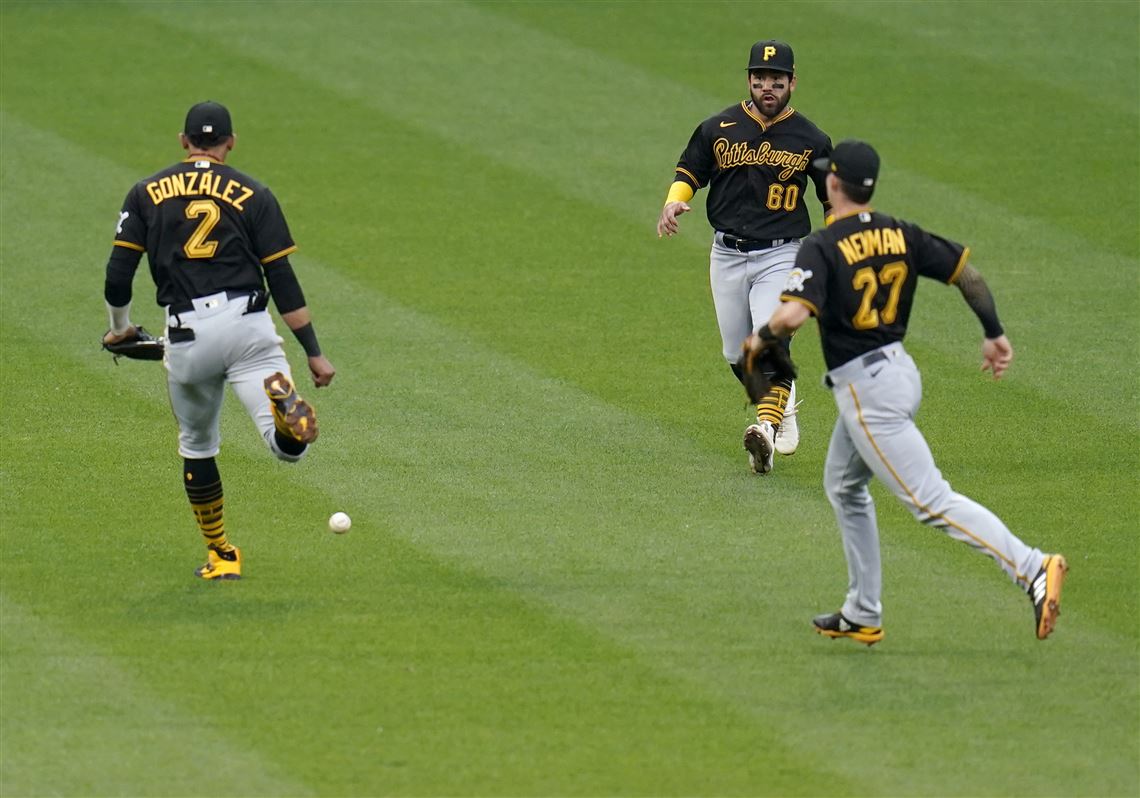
[
  {"x": 729, "y": 155},
  {"x": 197, "y": 184}
]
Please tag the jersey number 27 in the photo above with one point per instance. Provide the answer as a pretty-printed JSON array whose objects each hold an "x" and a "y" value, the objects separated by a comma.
[{"x": 868, "y": 280}]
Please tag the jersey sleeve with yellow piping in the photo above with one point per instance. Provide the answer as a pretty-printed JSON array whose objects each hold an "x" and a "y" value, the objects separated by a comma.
[
  {"x": 279, "y": 255},
  {"x": 819, "y": 177},
  {"x": 271, "y": 238},
  {"x": 806, "y": 283},
  {"x": 934, "y": 256},
  {"x": 962, "y": 261},
  {"x": 697, "y": 164},
  {"x": 802, "y": 300},
  {"x": 130, "y": 230}
]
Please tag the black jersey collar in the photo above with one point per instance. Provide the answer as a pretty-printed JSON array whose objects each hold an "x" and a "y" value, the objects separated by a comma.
[
  {"x": 787, "y": 112},
  {"x": 833, "y": 218}
]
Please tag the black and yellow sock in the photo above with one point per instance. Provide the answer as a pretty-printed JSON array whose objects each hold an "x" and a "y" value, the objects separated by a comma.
[
  {"x": 204, "y": 489},
  {"x": 772, "y": 406}
]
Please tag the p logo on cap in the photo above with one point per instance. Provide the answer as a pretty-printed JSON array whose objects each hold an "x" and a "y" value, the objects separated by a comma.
[{"x": 772, "y": 55}]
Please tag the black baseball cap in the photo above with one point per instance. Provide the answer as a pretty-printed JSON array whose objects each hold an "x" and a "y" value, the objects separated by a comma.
[
  {"x": 208, "y": 119},
  {"x": 773, "y": 55},
  {"x": 852, "y": 161}
]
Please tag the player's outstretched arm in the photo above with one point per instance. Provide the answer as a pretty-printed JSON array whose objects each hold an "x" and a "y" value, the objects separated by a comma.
[
  {"x": 300, "y": 322},
  {"x": 997, "y": 352},
  {"x": 675, "y": 204},
  {"x": 667, "y": 222}
]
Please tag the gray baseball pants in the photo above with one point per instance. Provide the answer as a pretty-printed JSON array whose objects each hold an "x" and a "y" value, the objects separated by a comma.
[
  {"x": 746, "y": 288},
  {"x": 229, "y": 346},
  {"x": 875, "y": 435}
]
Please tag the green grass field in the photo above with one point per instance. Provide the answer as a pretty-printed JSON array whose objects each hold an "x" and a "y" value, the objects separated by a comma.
[{"x": 561, "y": 578}]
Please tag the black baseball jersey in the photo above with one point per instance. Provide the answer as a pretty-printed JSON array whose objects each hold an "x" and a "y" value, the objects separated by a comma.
[
  {"x": 205, "y": 227},
  {"x": 756, "y": 171},
  {"x": 858, "y": 276}
]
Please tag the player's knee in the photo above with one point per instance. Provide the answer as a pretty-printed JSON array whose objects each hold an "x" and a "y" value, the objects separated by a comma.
[
  {"x": 198, "y": 447},
  {"x": 842, "y": 492}
]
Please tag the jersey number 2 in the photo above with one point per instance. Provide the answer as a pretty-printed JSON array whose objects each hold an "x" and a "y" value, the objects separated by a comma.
[
  {"x": 197, "y": 246},
  {"x": 868, "y": 281}
]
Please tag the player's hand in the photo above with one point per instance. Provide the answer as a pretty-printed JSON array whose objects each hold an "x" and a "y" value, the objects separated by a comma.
[
  {"x": 997, "y": 354},
  {"x": 322, "y": 370},
  {"x": 667, "y": 223},
  {"x": 112, "y": 338}
]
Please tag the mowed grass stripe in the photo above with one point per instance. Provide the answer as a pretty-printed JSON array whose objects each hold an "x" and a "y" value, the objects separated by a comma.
[
  {"x": 357, "y": 665},
  {"x": 79, "y": 720},
  {"x": 281, "y": 538},
  {"x": 614, "y": 586},
  {"x": 1025, "y": 256},
  {"x": 473, "y": 325}
]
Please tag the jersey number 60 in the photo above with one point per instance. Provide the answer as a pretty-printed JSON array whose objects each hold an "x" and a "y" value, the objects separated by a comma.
[{"x": 781, "y": 197}]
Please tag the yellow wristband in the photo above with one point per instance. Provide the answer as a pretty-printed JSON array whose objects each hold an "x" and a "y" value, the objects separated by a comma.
[{"x": 680, "y": 191}]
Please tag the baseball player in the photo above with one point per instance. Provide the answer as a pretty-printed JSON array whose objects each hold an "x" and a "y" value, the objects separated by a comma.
[
  {"x": 858, "y": 278},
  {"x": 214, "y": 237},
  {"x": 755, "y": 157}
]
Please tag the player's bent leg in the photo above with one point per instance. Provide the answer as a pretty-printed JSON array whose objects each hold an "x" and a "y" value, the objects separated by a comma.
[
  {"x": 729, "y": 285},
  {"x": 197, "y": 407},
  {"x": 771, "y": 407},
  {"x": 758, "y": 443},
  {"x": 1045, "y": 594},
  {"x": 900, "y": 457},
  {"x": 287, "y": 423},
  {"x": 294, "y": 418},
  {"x": 788, "y": 433},
  {"x": 846, "y": 478},
  {"x": 262, "y": 381}
]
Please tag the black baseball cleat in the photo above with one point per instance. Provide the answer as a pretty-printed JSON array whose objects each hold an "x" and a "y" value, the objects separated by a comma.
[
  {"x": 835, "y": 625},
  {"x": 1045, "y": 593}
]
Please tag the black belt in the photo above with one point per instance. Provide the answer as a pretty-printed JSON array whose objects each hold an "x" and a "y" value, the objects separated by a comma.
[
  {"x": 752, "y": 244},
  {"x": 868, "y": 361},
  {"x": 258, "y": 300}
]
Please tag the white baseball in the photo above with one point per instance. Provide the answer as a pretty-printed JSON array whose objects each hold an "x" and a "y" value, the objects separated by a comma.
[{"x": 340, "y": 523}]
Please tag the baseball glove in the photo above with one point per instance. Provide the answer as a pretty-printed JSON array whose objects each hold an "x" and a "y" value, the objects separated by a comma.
[
  {"x": 764, "y": 362},
  {"x": 143, "y": 346}
]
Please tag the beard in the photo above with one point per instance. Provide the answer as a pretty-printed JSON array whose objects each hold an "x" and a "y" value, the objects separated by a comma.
[{"x": 770, "y": 110}]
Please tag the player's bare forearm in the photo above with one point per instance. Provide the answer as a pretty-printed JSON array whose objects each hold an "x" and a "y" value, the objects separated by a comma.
[{"x": 787, "y": 318}]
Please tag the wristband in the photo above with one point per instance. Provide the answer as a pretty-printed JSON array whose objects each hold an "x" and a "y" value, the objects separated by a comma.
[
  {"x": 307, "y": 337},
  {"x": 680, "y": 191},
  {"x": 120, "y": 317}
]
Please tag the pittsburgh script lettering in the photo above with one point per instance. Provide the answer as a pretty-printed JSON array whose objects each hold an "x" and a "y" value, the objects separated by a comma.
[{"x": 729, "y": 155}]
